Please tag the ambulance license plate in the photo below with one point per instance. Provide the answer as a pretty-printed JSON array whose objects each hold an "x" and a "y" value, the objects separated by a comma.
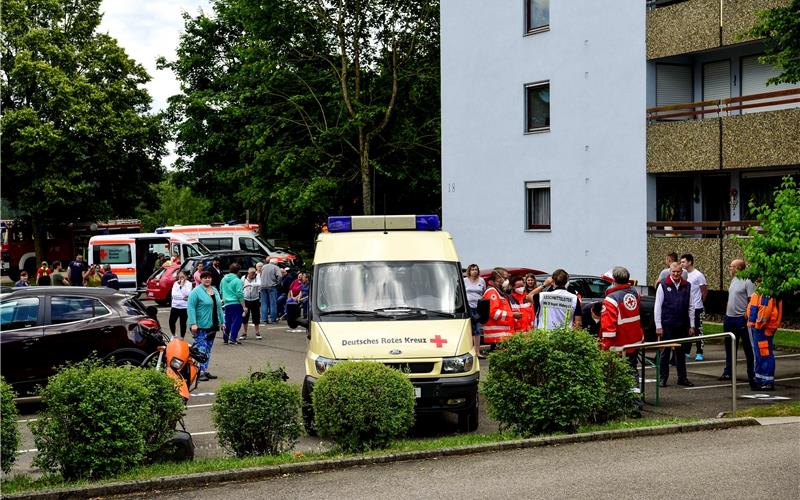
[{"x": 417, "y": 392}]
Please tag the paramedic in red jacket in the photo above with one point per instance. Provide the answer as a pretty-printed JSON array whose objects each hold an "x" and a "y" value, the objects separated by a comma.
[
  {"x": 500, "y": 325},
  {"x": 620, "y": 323}
]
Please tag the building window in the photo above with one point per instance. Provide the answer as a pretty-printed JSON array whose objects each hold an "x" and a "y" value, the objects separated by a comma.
[
  {"x": 537, "y": 106},
  {"x": 537, "y": 15},
  {"x": 537, "y": 197}
]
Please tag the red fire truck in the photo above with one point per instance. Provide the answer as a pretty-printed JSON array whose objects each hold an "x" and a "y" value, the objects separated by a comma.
[{"x": 17, "y": 251}]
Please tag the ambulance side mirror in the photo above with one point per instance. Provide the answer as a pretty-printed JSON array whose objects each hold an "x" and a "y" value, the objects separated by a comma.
[
  {"x": 483, "y": 311},
  {"x": 293, "y": 318}
]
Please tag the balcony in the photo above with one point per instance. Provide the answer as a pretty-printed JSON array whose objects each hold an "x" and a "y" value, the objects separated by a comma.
[
  {"x": 712, "y": 243},
  {"x": 695, "y": 25},
  {"x": 725, "y": 133}
]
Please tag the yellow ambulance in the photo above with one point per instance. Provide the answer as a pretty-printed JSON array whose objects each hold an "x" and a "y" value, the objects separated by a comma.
[{"x": 390, "y": 289}]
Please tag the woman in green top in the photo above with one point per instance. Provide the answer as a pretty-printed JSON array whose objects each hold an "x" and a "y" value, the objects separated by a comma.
[{"x": 205, "y": 318}]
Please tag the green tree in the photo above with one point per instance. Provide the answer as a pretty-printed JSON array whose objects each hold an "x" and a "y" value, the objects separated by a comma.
[
  {"x": 780, "y": 29},
  {"x": 773, "y": 255},
  {"x": 177, "y": 205},
  {"x": 78, "y": 142},
  {"x": 273, "y": 105}
]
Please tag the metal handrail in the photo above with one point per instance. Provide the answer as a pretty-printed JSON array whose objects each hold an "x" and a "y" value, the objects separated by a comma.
[{"x": 645, "y": 345}]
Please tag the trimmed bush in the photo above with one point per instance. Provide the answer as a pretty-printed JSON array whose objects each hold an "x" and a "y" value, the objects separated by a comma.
[
  {"x": 554, "y": 381},
  {"x": 9, "y": 434},
  {"x": 363, "y": 405},
  {"x": 98, "y": 421},
  {"x": 257, "y": 415},
  {"x": 618, "y": 397}
]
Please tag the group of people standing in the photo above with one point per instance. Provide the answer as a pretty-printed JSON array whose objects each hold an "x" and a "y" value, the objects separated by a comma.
[
  {"x": 520, "y": 305},
  {"x": 681, "y": 291},
  {"x": 233, "y": 301},
  {"x": 77, "y": 273}
]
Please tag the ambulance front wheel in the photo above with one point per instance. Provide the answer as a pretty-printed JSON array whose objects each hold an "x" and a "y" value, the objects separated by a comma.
[
  {"x": 468, "y": 420},
  {"x": 308, "y": 410}
]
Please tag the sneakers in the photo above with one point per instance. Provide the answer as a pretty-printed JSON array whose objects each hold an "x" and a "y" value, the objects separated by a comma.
[
  {"x": 767, "y": 387},
  {"x": 258, "y": 336},
  {"x": 724, "y": 376},
  {"x": 243, "y": 337},
  {"x": 699, "y": 357},
  {"x": 685, "y": 382},
  {"x": 206, "y": 376}
]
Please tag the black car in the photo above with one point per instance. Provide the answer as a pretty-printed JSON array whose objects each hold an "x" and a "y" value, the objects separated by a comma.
[
  {"x": 42, "y": 328},
  {"x": 245, "y": 260}
]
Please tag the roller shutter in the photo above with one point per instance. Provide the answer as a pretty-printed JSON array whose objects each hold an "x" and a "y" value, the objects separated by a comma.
[
  {"x": 716, "y": 82},
  {"x": 673, "y": 84},
  {"x": 754, "y": 81}
]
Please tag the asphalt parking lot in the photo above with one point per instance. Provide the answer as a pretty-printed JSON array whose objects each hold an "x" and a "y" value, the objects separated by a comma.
[{"x": 282, "y": 347}]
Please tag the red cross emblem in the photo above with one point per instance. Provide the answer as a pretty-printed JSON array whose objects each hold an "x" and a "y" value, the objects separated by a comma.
[
  {"x": 630, "y": 301},
  {"x": 439, "y": 341},
  {"x": 103, "y": 255}
]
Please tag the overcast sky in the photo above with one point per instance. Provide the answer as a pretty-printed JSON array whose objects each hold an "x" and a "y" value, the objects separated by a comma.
[{"x": 147, "y": 29}]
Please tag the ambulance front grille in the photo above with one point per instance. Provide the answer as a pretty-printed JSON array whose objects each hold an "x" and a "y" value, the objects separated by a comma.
[{"x": 411, "y": 367}]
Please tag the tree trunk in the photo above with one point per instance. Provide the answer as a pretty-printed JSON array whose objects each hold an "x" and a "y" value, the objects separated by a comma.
[{"x": 366, "y": 176}]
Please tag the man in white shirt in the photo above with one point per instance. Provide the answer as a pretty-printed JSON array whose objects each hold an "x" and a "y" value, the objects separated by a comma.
[{"x": 699, "y": 293}]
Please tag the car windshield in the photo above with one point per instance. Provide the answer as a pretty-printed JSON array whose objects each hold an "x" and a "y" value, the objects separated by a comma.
[
  {"x": 265, "y": 243},
  {"x": 425, "y": 289},
  {"x": 196, "y": 249}
]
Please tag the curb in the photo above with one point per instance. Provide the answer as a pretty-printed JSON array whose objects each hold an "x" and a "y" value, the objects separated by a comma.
[{"x": 200, "y": 479}]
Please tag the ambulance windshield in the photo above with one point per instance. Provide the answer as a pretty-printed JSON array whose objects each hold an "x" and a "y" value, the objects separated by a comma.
[{"x": 420, "y": 289}]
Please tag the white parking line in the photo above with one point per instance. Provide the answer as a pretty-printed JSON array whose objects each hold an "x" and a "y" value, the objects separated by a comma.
[
  {"x": 728, "y": 385},
  {"x": 26, "y": 420},
  {"x": 204, "y": 433},
  {"x": 200, "y": 406},
  {"x": 740, "y": 359},
  {"x": 19, "y": 452},
  {"x": 200, "y": 394}
]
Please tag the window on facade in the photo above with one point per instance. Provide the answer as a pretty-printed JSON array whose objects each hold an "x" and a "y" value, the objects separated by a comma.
[
  {"x": 537, "y": 15},
  {"x": 537, "y": 196},
  {"x": 537, "y": 106}
]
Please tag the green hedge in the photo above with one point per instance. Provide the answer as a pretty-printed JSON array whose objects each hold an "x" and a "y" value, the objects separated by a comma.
[
  {"x": 555, "y": 381},
  {"x": 363, "y": 405},
  {"x": 9, "y": 434},
  {"x": 257, "y": 416},
  {"x": 98, "y": 421}
]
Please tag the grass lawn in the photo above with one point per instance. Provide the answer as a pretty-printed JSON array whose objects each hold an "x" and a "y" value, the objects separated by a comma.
[
  {"x": 776, "y": 410},
  {"x": 783, "y": 338},
  {"x": 21, "y": 483}
]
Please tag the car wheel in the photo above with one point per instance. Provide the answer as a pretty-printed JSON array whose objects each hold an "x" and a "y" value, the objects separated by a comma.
[
  {"x": 468, "y": 420},
  {"x": 126, "y": 357}
]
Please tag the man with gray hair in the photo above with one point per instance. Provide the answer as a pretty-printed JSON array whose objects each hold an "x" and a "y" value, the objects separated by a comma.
[
  {"x": 109, "y": 279},
  {"x": 620, "y": 323}
]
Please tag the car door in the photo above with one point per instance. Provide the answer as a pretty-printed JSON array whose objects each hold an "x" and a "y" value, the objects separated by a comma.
[
  {"x": 21, "y": 333},
  {"x": 77, "y": 326}
]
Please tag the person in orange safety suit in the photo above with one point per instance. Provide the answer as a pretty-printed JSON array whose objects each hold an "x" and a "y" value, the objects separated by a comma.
[
  {"x": 500, "y": 325},
  {"x": 518, "y": 303},
  {"x": 620, "y": 322}
]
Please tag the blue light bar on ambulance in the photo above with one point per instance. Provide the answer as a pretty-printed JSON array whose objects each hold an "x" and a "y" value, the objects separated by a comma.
[
  {"x": 347, "y": 223},
  {"x": 162, "y": 230}
]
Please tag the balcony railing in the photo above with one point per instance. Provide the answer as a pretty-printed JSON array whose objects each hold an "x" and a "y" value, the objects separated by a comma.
[
  {"x": 703, "y": 229},
  {"x": 719, "y": 107}
]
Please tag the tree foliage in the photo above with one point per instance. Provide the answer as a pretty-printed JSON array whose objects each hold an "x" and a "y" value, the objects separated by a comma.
[
  {"x": 292, "y": 109},
  {"x": 773, "y": 256},
  {"x": 780, "y": 29},
  {"x": 176, "y": 205},
  {"x": 78, "y": 142}
]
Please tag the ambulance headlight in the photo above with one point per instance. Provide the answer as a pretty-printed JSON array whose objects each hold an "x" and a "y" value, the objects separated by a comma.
[
  {"x": 322, "y": 363},
  {"x": 458, "y": 364}
]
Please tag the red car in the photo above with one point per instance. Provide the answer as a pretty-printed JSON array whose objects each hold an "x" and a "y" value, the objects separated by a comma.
[
  {"x": 159, "y": 285},
  {"x": 515, "y": 272}
]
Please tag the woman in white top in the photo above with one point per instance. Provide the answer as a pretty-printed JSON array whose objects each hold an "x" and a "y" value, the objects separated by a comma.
[
  {"x": 180, "y": 296},
  {"x": 252, "y": 286},
  {"x": 475, "y": 286}
]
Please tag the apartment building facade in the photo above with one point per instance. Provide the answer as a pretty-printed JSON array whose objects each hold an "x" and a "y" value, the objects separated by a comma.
[{"x": 587, "y": 134}]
